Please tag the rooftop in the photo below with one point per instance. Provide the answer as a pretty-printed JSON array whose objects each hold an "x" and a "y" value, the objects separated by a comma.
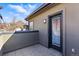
[{"x": 41, "y": 9}]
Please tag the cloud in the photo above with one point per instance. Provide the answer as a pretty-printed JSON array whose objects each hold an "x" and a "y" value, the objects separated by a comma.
[
  {"x": 6, "y": 17},
  {"x": 32, "y": 6},
  {"x": 18, "y": 8},
  {"x": 17, "y": 14},
  {"x": 25, "y": 9}
]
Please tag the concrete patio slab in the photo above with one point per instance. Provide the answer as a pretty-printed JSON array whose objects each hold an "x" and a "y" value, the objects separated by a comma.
[{"x": 35, "y": 50}]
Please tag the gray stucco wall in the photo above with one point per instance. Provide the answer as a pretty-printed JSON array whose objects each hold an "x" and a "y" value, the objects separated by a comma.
[
  {"x": 43, "y": 27},
  {"x": 20, "y": 40},
  {"x": 43, "y": 31},
  {"x": 0, "y": 52},
  {"x": 72, "y": 29}
]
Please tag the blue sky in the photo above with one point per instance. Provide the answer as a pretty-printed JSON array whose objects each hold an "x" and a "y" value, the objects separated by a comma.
[{"x": 17, "y": 11}]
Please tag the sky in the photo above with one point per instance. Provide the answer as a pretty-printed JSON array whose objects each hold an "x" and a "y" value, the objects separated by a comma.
[{"x": 17, "y": 11}]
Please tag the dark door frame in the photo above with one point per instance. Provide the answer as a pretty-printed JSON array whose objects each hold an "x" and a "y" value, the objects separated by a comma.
[{"x": 50, "y": 31}]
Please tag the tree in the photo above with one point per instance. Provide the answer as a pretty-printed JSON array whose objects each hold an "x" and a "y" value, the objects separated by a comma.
[{"x": 19, "y": 24}]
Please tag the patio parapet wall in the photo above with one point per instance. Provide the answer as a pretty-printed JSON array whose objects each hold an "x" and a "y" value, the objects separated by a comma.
[{"x": 19, "y": 40}]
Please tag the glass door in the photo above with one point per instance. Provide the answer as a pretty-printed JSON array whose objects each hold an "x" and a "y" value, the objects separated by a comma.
[{"x": 55, "y": 31}]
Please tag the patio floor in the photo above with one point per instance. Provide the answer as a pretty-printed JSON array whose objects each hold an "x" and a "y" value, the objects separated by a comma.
[{"x": 35, "y": 50}]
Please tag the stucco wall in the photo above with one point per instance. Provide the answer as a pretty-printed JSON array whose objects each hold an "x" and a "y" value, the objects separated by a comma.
[
  {"x": 20, "y": 40},
  {"x": 43, "y": 27},
  {"x": 72, "y": 29}
]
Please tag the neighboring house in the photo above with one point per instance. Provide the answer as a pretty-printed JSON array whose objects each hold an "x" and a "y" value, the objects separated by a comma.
[
  {"x": 58, "y": 26},
  {"x": 20, "y": 25},
  {"x": 2, "y": 26}
]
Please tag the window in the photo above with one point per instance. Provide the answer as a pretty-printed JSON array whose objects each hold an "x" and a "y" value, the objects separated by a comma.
[{"x": 31, "y": 26}]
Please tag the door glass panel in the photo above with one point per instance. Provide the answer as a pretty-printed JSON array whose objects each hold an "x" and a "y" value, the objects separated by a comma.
[{"x": 56, "y": 31}]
